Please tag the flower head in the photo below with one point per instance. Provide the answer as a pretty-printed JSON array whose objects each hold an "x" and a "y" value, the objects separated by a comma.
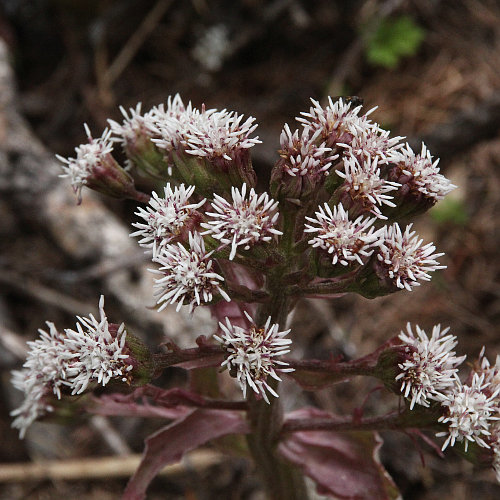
[
  {"x": 99, "y": 352},
  {"x": 171, "y": 124},
  {"x": 469, "y": 413},
  {"x": 337, "y": 122},
  {"x": 244, "y": 222},
  {"x": 133, "y": 126},
  {"x": 347, "y": 241},
  {"x": 187, "y": 275},
  {"x": 220, "y": 135},
  {"x": 363, "y": 186},
  {"x": 42, "y": 375},
  {"x": 251, "y": 354},
  {"x": 207, "y": 133},
  {"x": 418, "y": 174},
  {"x": 209, "y": 147},
  {"x": 430, "y": 365},
  {"x": 373, "y": 142},
  {"x": 403, "y": 259},
  {"x": 89, "y": 156},
  {"x": 303, "y": 155},
  {"x": 165, "y": 218},
  {"x": 35, "y": 403},
  {"x": 47, "y": 359}
]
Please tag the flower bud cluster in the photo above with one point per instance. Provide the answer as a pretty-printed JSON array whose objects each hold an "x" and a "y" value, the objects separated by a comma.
[
  {"x": 367, "y": 177},
  {"x": 69, "y": 362},
  {"x": 429, "y": 373},
  {"x": 171, "y": 229},
  {"x": 369, "y": 163},
  {"x": 208, "y": 148}
]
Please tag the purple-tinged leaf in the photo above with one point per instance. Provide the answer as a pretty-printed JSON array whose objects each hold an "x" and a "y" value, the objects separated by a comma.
[
  {"x": 136, "y": 404},
  {"x": 344, "y": 465},
  {"x": 169, "y": 444},
  {"x": 151, "y": 401}
]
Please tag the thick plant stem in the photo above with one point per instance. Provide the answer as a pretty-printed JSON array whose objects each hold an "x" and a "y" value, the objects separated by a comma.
[{"x": 281, "y": 479}]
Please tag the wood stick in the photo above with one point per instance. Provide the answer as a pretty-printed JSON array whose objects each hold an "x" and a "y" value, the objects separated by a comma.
[{"x": 101, "y": 467}]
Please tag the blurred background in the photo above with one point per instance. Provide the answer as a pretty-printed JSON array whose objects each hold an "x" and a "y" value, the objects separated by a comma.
[{"x": 431, "y": 66}]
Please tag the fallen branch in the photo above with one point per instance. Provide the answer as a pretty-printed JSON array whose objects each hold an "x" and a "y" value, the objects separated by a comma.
[{"x": 101, "y": 467}]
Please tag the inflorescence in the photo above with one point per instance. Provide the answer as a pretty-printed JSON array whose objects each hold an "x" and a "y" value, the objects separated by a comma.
[
  {"x": 68, "y": 363},
  {"x": 210, "y": 213},
  {"x": 338, "y": 192}
]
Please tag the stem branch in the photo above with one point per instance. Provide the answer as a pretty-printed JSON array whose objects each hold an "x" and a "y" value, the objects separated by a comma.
[{"x": 391, "y": 421}]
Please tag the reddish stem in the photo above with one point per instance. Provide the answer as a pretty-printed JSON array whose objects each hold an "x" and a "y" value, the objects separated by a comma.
[
  {"x": 361, "y": 366},
  {"x": 392, "y": 421},
  {"x": 140, "y": 196}
]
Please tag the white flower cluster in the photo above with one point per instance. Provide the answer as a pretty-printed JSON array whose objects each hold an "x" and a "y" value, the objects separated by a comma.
[
  {"x": 362, "y": 181},
  {"x": 491, "y": 374},
  {"x": 243, "y": 222},
  {"x": 187, "y": 271},
  {"x": 404, "y": 258},
  {"x": 337, "y": 122},
  {"x": 251, "y": 354},
  {"x": 88, "y": 157},
  {"x": 430, "y": 366},
  {"x": 156, "y": 140},
  {"x": 165, "y": 218},
  {"x": 364, "y": 147},
  {"x": 422, "y": 173},
  {"x": 373, "y": 142},
  {"x": 204, "y": 133},
  {"x": 302, "y": 153},
  {"x": 221, "y": 134},
  {"x": 429, "y": 372},
  {"x": 470, "y": 411},
  {"x": 187, "y": 275},
  {"x": 401, "y": 256},
  {"x": 71, "y": 360},
  {"x": 170, "y": 124},
  {"x": 347, "y": 241}
]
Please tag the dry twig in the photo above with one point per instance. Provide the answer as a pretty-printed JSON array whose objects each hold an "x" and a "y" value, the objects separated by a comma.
[{"x": 100, "y": 468}]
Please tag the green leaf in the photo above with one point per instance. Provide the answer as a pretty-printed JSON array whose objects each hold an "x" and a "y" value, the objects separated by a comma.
[{"x": 394, "y": 39}]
